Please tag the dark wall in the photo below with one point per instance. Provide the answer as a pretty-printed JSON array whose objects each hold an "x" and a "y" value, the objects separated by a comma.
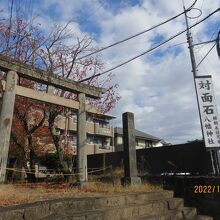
[
  {"x": 206, "y": 202},
  {"x": 191, "y": 157}
]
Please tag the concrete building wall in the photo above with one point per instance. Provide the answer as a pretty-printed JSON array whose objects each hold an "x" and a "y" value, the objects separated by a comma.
[
  {"x": 140, "y": 143},
  {"x": 93, "y": 149},
  {"x": 99, "y": 133},
  {"x": 92, "y": 128}
]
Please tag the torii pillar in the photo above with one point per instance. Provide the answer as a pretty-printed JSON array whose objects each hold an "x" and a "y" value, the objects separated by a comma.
[
  {"x": 81, "y": 141},
  {"x": 130, "y": 161},
  {"x": 6, "y": 121}
]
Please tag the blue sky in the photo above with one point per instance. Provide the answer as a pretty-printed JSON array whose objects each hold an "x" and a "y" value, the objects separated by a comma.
[{"x": 157, "y": 87}]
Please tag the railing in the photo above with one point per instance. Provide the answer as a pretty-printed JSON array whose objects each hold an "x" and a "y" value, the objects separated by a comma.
[{"x": 102, "y": 131}]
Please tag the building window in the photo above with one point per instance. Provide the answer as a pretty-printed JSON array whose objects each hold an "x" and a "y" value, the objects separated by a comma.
[
  {"x": 73, "y": 116},
  {"x": 95, "y": 120},
  {"x": 105, "y": 143},
  {"x": 90, "y": 140},
  {"x": 148, "y": 143},
  {"x": 102, "y": 142},
  {"x": 97, "y": 141},
  {"x": 89, "y": 118},
  {"x": 137, "y": 143},
  {"x": 73, "y": 139},
  {"x": 104, "y": 124}
]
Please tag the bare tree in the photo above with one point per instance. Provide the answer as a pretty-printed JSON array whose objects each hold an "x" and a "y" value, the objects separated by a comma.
[{"x": 26, "y": 43}]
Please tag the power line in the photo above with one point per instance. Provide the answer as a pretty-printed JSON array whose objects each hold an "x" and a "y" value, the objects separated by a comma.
[
  {"x": 175, "y": 45},
  {"x": 205, "y": 42},
  {"x": 169, "y": 47},
  {"x": 206, "y": 55},
  {"x": 131, "y": 37},
  {"x": 151, "y": 49},
  {"x": 140, "y": 33},
  {"x": 200, "y": 10},
  {"x": 210, "y": 41}
]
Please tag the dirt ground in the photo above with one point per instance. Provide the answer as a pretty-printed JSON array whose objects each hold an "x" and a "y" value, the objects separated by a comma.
[{"x": 12, "y": 194}]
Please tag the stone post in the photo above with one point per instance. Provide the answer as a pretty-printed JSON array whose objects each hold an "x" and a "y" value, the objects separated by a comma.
[
  {"x": 81, "y": 140},
  {"x": 6, "y": 121},
  {"x": 130, "y": 163}
]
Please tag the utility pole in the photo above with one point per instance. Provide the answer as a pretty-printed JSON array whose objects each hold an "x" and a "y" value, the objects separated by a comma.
[
  {"x": 191, "y": 51},
  {"x": 195, "y": 71}
]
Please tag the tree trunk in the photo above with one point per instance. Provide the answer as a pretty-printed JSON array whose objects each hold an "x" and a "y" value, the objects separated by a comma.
[
  {"x": 30, "y": 156},
  {"x": 56, "y": 140}
]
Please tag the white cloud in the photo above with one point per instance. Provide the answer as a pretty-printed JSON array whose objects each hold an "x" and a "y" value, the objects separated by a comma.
[
  {"x": 157, "y": 87},
  {"x": 162, "y": 84}
]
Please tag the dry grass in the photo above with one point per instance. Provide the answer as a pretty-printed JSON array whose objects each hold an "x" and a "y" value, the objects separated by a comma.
[
  {"x": 12, "y": 194},
  {"x": 18, "y": 194}
]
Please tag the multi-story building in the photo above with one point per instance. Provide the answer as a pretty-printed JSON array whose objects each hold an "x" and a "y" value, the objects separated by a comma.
[
  {"x": 143, "y": 140},
  {"x": 99, "y": 131}
]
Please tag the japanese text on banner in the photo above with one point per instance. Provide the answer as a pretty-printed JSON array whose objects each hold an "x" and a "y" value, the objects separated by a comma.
[{"x": 208, "y": 111}]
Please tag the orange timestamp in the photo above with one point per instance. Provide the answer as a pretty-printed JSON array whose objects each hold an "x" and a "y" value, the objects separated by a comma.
[{"x": 206, "y": 189}]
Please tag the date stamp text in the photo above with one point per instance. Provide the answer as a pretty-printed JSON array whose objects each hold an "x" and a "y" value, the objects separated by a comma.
[{"x": 206, "y": 189}]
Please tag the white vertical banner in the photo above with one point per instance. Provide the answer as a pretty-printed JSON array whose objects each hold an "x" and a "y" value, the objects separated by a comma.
[{"x": 208, "y": 111}]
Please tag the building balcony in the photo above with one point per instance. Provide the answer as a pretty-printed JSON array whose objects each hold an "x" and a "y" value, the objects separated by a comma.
[
  {"x": 94, "y": 149},
  {"x": 102, "y": 131},
  {"x": 98, "y": 149},
  {"x": 91, "y": 128}
]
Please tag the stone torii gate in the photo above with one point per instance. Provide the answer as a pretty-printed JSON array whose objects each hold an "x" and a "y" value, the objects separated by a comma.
[{"x": 14, "y": 69}]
